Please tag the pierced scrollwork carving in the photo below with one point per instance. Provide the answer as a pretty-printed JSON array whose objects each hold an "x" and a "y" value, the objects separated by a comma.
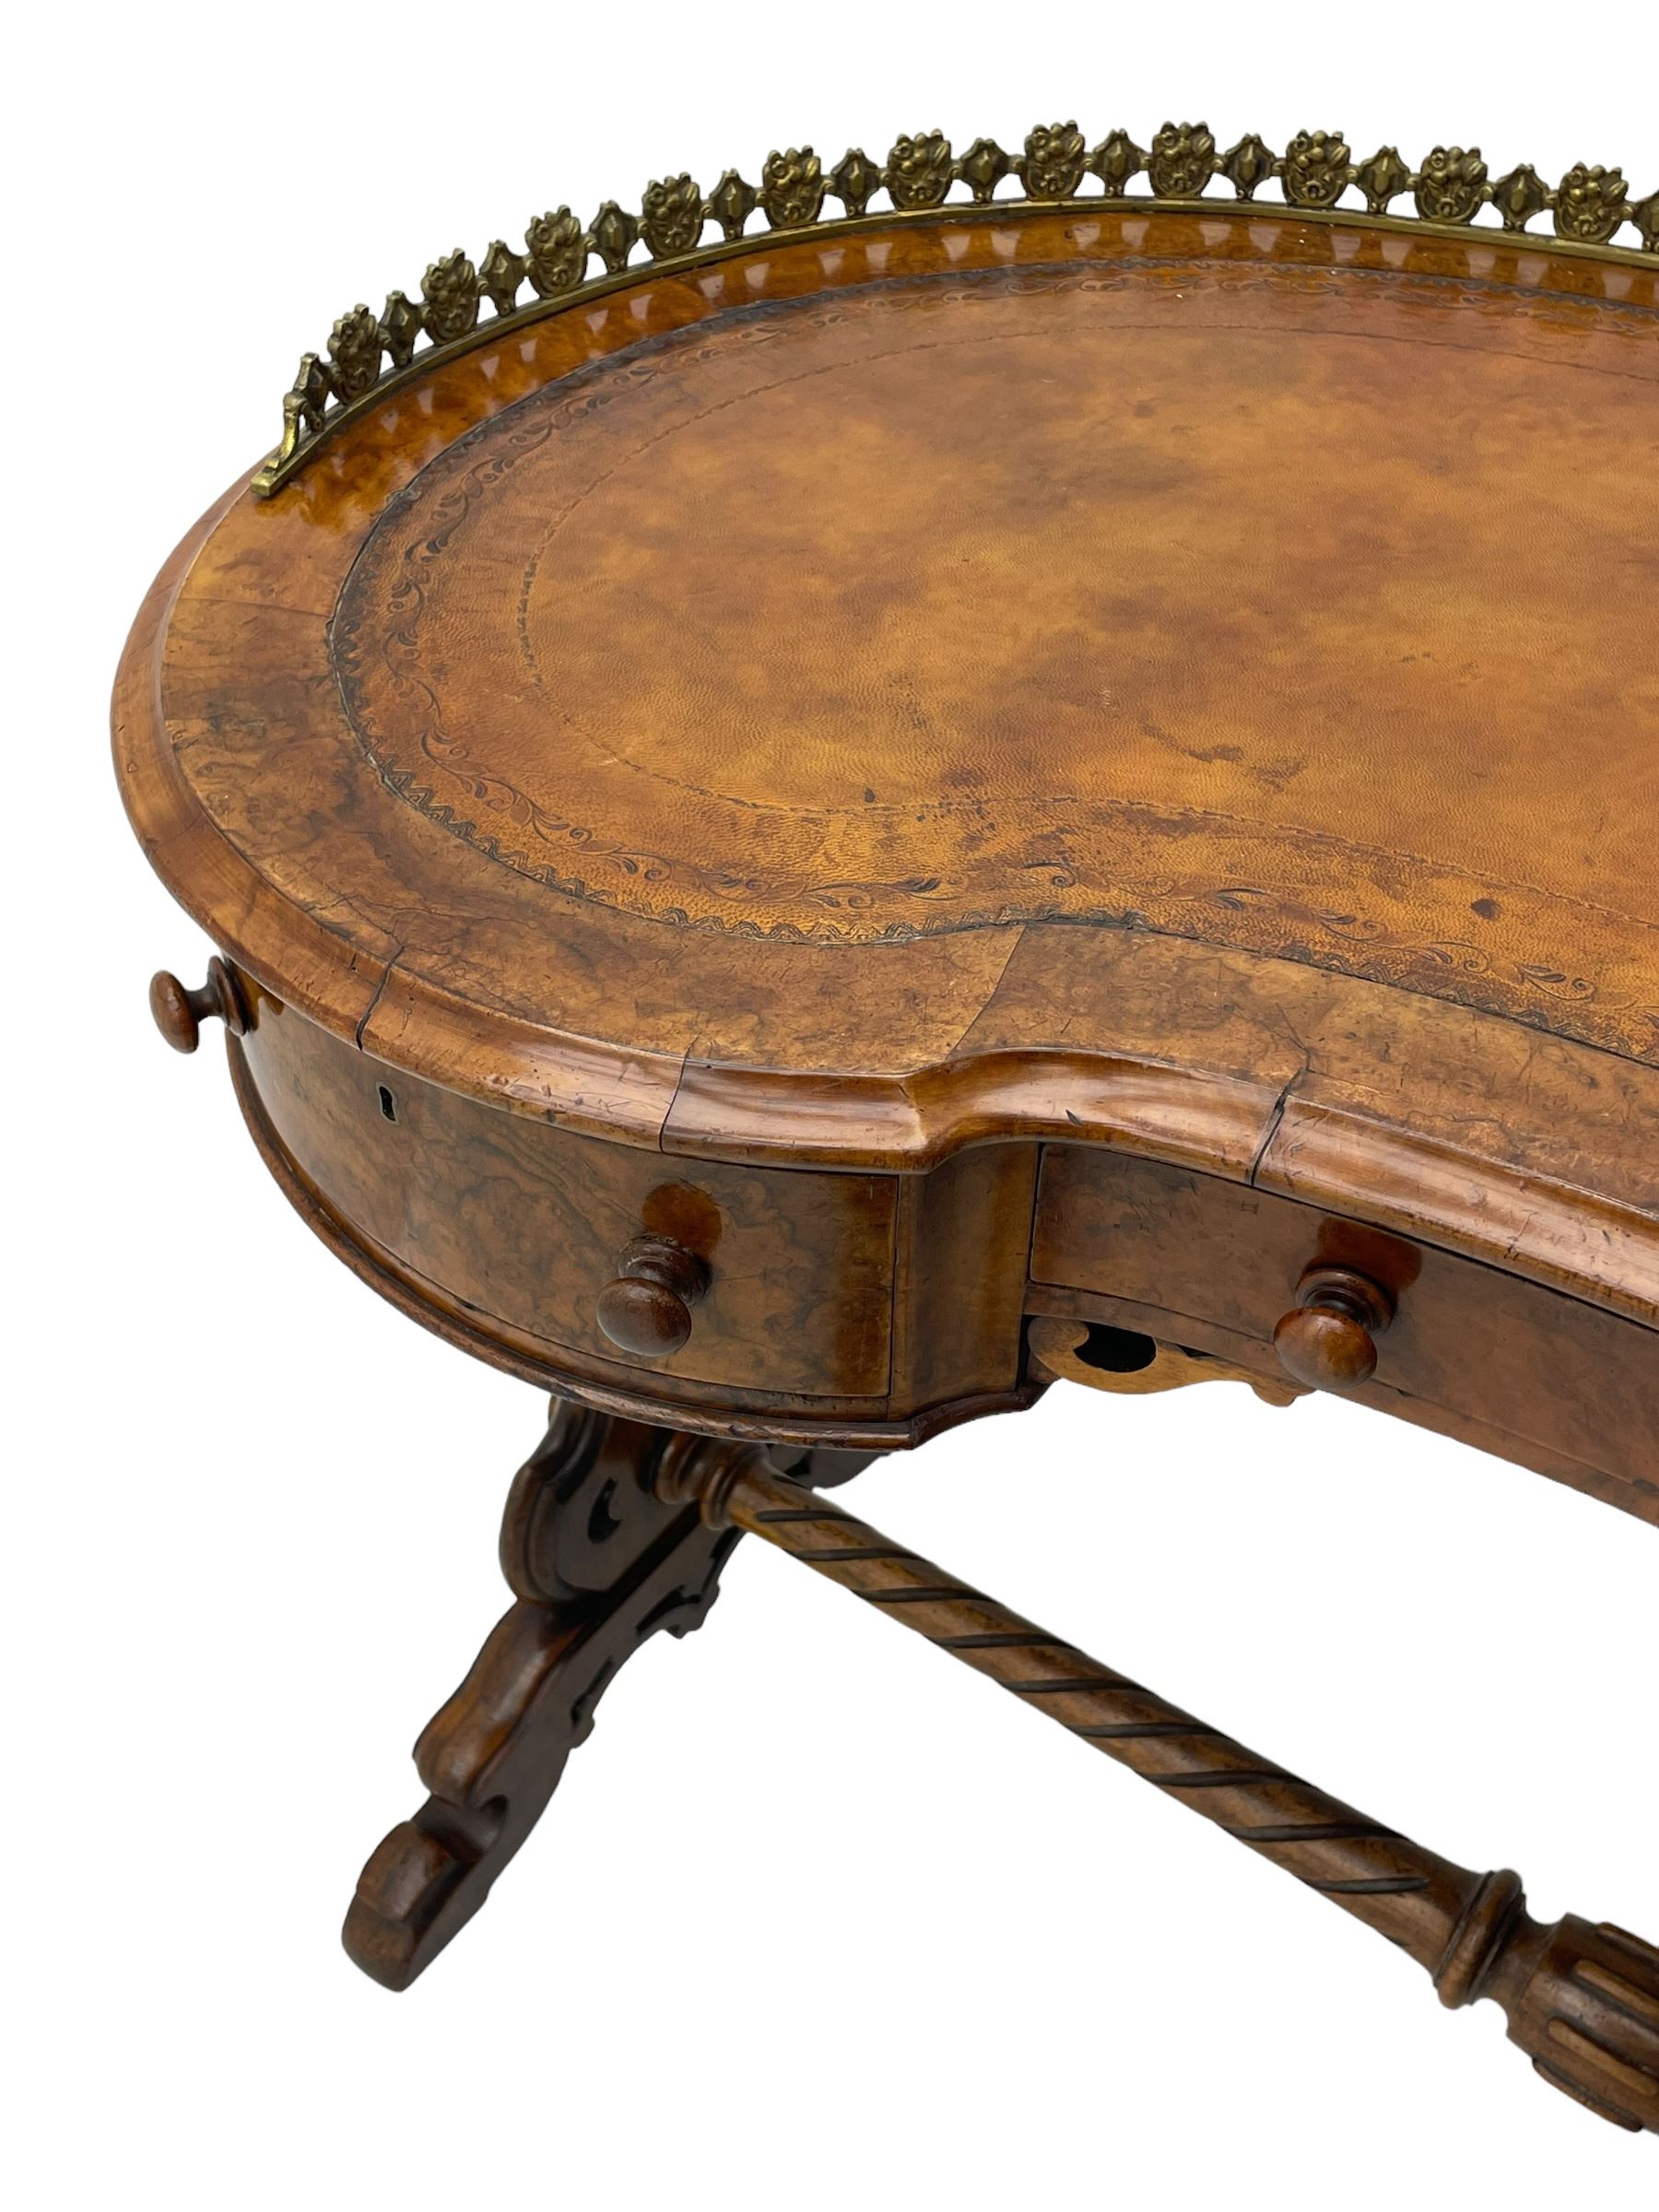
[
  {"x": 597, "y": 1565},
  {"x": 1591, "y": 210}
]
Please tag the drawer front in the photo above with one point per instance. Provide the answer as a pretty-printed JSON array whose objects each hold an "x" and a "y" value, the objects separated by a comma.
[
  {"x": 1506, "y": 1354},
  {"x": 523, "y": 1224}
]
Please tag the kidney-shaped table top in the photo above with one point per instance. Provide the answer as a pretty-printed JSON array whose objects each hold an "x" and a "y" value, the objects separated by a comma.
[{"x": 1189, "y": 678}]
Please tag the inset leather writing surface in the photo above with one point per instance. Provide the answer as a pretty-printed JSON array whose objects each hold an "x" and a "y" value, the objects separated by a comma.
[
  {"x": 1237, "y": 625},
  {"x": 1175, "y": 593}
]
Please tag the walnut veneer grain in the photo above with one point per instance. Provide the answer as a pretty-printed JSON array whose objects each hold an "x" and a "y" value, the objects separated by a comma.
[{"x": 809, "y": 844}]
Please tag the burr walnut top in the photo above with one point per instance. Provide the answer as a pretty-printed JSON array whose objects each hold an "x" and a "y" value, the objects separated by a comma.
[{"x": 1141, "y": 672}]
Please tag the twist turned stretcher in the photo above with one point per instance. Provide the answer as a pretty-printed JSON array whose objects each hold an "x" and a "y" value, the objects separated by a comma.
[{"x": 1583, "y": 2000}]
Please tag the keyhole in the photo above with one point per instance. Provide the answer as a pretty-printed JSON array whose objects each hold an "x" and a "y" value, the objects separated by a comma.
[{"x": 388, "y": 1103}]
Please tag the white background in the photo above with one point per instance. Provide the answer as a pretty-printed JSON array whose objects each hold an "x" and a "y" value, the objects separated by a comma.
[{"x": 816, "y": 1919}]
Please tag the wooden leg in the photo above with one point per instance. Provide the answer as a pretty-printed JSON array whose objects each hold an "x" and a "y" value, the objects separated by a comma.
[{"x": 597, "y": 1562}]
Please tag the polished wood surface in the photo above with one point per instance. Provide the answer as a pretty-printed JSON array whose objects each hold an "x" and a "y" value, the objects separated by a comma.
[
  {"x": 873, "y": 1310},
  {"x": 598, "y": 1561},
  {"x": 1547, "y": 1379},
  {"x": 864, "y": 1310},
  {"x": 815, "y": 844},
  {"x": 179, "y": 1012},
  {"x": 1259, "y": 849},
  {"x": 1103, "y": 1358},
  {"x": 1328, "y": 1340},
  {"x": 524, "y": 1224},
  {"x": 597, "y": 1565}
]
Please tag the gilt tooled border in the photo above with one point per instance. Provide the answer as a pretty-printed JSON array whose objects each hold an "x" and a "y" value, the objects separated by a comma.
[{"x": 1308, "y": 930}]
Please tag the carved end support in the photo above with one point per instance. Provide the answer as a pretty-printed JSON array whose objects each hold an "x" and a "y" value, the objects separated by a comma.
[
  {"x": 420, "y": 1887},
  {"x": 1582, "y": 2000},
  {"x": 597, "y": 1566}
]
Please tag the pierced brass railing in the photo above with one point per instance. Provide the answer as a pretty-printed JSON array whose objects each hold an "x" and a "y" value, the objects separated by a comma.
[{"x": 370, "y": 355}]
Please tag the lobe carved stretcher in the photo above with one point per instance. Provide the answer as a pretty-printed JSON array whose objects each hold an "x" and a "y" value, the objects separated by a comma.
[{"x": 1583, "y": 2000}]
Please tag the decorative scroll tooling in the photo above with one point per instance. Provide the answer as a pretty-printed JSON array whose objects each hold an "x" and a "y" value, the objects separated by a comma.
[{"x": 1590, "y": 208}]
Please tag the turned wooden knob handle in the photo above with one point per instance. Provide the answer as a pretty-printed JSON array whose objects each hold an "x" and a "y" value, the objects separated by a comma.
[
  {"x": 180, "y": 1013},
  {"x": 1328, "y": 1339},
  {"x": 647, "y": 1310}
]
